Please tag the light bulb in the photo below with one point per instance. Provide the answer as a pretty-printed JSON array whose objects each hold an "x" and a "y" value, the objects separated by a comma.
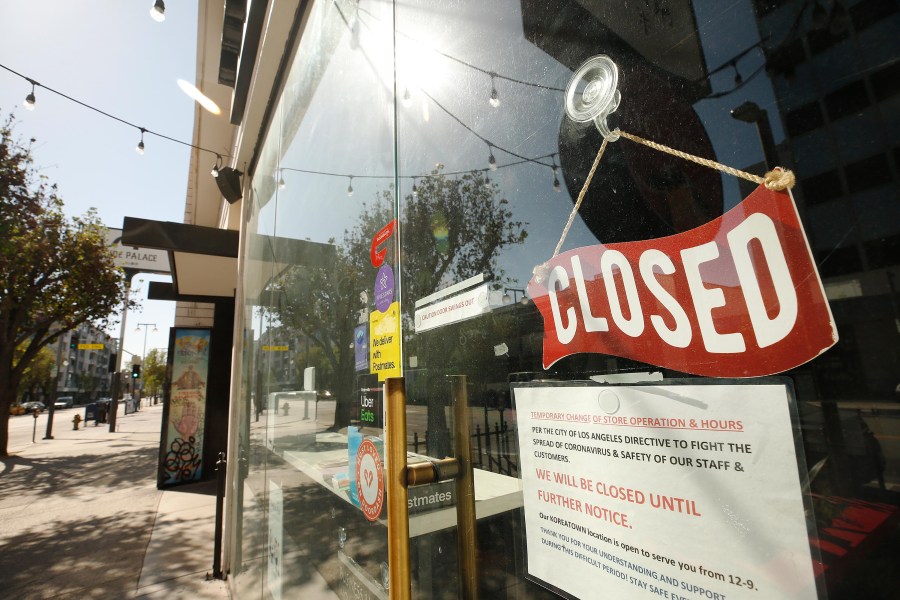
[
  {"x": 494, "y": 100},
  {"x": 281, "y": 183},
  {"x": 492, "y": 162},
  {"x": 415, "y": 190},
  {"x": 140, "y": 147},
  {"x": 407, "y": 97},
  {"x": 215, "y": 169},
  {"x": 158, "y": 11},
  {"x": 350, "y": 188},
  {"x": 487, "y": 182},
  {"x": 29, "y": 101},
  {"x": 556, "y": 185}
]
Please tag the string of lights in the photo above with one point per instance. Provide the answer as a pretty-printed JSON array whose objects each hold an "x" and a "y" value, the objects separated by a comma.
[
  {"x": 492, "y": 74},
  {"x": 424, "y": 175},
  {"x": 494, "y": 101},
  {"x": 158, "y": 11},
  {"x": 415, "y": 178},
  {"x": 31, "y": 101}
]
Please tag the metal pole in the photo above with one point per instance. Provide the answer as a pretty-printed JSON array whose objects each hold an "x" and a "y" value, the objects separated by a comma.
[
  {"x": 221, "y": 464},
  {"x": 114, "y": 405},
  {"x": 49, "y": 434},
  {"x": 144, "y": 352}
]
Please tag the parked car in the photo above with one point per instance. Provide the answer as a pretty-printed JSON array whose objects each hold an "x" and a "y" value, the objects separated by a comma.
[
  {"x": 34, "y": 405},
  {"x": 64, "y": 402}
]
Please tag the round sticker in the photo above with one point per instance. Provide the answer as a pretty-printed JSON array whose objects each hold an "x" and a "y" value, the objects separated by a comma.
[
  {"x": 384, "y": 288},
  {"x": 370, "y": 480}
]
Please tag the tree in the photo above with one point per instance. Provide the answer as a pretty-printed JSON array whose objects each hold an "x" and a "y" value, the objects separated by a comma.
[
  {"x": 154, "y": 371},
  {"x": 55, "y": 273},
  {"x": 453, "y": 228},
  {"x": 38, "y": 375}
]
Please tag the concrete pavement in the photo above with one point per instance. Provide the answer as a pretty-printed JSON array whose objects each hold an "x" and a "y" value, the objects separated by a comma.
[{"x": 80, "y": 515}]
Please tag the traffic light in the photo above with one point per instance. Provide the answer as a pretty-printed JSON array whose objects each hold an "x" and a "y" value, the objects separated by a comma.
[
  {"x": 73, "y": 342},
  {"x": 113, "y": 356},
  {"x": 135, "y": 371}
]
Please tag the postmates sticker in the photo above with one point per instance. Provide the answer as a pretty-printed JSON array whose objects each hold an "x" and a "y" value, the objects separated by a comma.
[{"x": 370, "y": 480}]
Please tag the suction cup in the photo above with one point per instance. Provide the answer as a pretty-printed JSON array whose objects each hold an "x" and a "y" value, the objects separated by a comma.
[{"x": 592, "y": 93}]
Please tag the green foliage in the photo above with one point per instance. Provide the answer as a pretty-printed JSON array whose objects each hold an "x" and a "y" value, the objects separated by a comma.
[
  {"x": 39, "y": 375},
  {"x": 452, "y": 229},
  {"x": 55, "y": 273},
  {"x": 154, "y": 372}
]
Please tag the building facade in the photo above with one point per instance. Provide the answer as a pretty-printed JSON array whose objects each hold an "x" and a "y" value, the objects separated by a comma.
[
  {"x": 84, "y": 373},
  {"x": 613, "y": 370}
]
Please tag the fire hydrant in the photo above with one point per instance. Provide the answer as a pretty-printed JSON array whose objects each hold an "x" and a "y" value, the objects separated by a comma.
[
  {"x": 75, "y": 421},
  {"x": 286, "y": 408}
]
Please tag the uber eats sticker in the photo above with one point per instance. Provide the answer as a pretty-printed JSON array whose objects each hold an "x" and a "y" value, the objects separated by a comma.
[{"x": 384, "y": 342}]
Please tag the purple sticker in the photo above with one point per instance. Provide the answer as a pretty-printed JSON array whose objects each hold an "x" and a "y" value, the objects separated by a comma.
[{"x": 384, "y": 288}]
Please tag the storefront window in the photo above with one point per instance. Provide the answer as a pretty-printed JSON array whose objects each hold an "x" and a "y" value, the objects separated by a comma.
[{"x": 411, "y": 216}]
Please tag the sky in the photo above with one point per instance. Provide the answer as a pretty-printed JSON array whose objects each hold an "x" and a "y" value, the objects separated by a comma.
[{"x": 111, "y": 55}]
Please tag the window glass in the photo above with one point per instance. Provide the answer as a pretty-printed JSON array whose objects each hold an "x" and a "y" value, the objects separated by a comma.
[
  {"x": 419, "y": 174},
  {"x": 489, "y": 169},
  {"x": 312, "y": 527}
]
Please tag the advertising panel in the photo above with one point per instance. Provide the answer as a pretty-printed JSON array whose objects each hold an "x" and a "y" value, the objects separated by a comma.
[
  {"x": 384, "y": 342},
  {"x": 678, "y": 491},
  {"x": 185, "y": 412}
]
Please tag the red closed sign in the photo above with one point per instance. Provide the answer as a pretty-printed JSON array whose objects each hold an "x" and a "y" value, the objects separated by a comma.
[{"x": 739, "y": 296}]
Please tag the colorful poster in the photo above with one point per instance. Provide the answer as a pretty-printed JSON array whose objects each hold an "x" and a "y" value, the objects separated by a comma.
[
  {"x": 384, "y": 342},
  {"x": 186, "y": 411},
  {"x": 677, "y": 491},
  {"x": 737, "y": 297}
]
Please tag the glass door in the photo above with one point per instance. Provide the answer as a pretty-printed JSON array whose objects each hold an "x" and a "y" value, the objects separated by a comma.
[{"x": 491, "y": 165}]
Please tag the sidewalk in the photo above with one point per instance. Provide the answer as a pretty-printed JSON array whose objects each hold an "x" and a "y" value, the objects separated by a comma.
[{"x": 80, "y": 517}]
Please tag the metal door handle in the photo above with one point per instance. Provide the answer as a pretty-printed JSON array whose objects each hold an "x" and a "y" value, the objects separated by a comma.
[{"x": 400, "y": 476}]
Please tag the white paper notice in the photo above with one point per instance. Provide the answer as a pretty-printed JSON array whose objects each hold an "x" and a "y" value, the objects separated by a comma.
[{"x": 664, "y": 491}]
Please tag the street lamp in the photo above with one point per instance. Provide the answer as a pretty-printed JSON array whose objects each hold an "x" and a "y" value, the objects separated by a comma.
[
  {"x": 144, "y": 351},
  {"x": 750, "y": 112},
  {"x": 138, "y": 330}
]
